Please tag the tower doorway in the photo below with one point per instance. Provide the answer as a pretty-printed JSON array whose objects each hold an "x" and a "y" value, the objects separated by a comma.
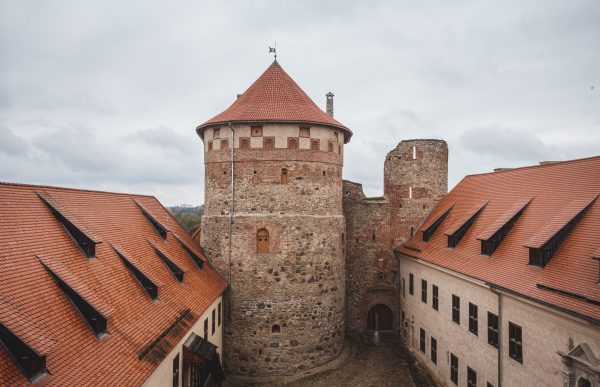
[{"x": 380, "y": 318}]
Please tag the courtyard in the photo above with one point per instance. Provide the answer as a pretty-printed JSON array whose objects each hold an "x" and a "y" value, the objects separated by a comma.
[{"x": 362, "y": 365}]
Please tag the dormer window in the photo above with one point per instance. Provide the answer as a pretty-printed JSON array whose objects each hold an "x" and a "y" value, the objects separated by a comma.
[
  {"x": 432, "y": 225},
  {"x": 546, "y": 242},
  {"x": 195, "y": 257},
  {"x": 460, "y": 228},
  {"x": 31, "y": 363},
  {"x": 160, "y": 229},
  {"x": 493, "y": 236},
  {"x": 92, "y": 316},
  {"x": 83, "y": 240},
  {"x": 173, "y": 268},
  {"x": 149, "y": 287}
]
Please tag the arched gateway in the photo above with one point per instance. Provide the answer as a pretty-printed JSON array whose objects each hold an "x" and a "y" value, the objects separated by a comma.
[{"x": 380, "y": 318}]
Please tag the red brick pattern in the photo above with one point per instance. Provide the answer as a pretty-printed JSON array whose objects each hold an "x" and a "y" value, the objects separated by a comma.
[
  {"x": 557, "y": 191},
  {"x": 36, "y": 309}
]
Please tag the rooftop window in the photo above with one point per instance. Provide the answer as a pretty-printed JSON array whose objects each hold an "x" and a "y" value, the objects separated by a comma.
[
  {"x": 546, "y": 242},
  {"x": 494, "y": 235},
  {"x": 149, "y": 287},
  {"x": 92, "y": 316},
  {"x": 160, "y": 229},
  {"x": 173, "y": 268},
  {"x": 195, "y": 257},
  {"x": 31, "y": 363},
  {"x": 430, "y": 227},
  {"x": 456, "y": 233},
  {"x": 83, "y": 240}
]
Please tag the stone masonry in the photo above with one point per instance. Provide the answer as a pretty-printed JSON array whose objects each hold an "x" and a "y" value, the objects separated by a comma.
[
  {"x": 415, "y": 179},
  {"x": 286, "y": 305}
]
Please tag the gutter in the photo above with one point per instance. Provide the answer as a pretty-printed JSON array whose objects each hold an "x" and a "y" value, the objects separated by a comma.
[
  {"x": 499, "y": 295},
  {"x": 232, "y": 205}
]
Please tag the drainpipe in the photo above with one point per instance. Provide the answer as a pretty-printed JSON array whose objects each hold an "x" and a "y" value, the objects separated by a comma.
[
  {"x": 499, "y": 296},
  {"x": 232, "y": 205}
]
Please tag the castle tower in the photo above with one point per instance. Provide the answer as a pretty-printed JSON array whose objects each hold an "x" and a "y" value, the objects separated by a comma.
[
  {"x": 273, "y": 225},
  {"x": 415, "y": 179}
]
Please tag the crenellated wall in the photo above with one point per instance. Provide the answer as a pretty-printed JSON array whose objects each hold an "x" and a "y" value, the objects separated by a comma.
[{"x": 415, "y": 179}]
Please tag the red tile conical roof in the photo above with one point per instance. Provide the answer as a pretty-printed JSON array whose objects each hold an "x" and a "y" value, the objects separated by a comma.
[{"x": 274, "y": 97}]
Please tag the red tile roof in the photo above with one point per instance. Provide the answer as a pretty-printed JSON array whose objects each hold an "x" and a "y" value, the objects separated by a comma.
[
  {"x": 34, "y": 308},
  {"x": 274, "y": 97},
  {"x": 556, "y": 191}
]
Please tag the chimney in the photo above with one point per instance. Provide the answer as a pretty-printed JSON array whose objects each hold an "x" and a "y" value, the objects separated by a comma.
[{"x": 329, "y": 109}]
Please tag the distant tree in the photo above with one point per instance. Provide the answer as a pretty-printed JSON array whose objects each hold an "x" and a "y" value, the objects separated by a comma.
[{"x": 187, "y": 215}]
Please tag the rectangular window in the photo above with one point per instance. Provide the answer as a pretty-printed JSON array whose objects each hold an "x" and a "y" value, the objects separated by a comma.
[
  {"x": 206, "y": 328},
  {"x": 256, "y": 131},
  {"x": 414, "y": 152},
  {"x": 454, "y": 369},
  {"x": 410, "y": 192},
  {"x": 433, "y": 350},
  {"x": 335, "y": 136},
  {"x": 492, "y": 330},
  {"x": 422, "y": 340},
  {"x": 403, "y": 288},
  {"x": 435, "y": 299},
  {"x": 424, "y": 291},
  {"x": 214, "y": 321},
  {"x": 456, "y": 309},
  {"x": 220, "y": 313},
  {"x": 216, "y": 133},
  {"x": 471, "y": 377},
  {"x": 305, "y": 131},
  {"x": 176, "y": 371},
  {"x": 473, "y": 325},
  {"x": 515, "y": 343},
  {"x": 411, "y": 284}
]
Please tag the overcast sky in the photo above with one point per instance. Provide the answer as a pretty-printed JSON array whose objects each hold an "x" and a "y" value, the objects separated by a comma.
[{"x": 107, "y": 94}]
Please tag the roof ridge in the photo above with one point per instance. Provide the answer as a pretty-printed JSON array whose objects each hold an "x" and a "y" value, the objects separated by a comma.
[
  {"x": 8, "y": 183},
  {"x": 553, "y": 164}
]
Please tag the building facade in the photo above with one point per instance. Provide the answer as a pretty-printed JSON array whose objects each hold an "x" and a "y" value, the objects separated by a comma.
[{"x": 500, "y": 286}]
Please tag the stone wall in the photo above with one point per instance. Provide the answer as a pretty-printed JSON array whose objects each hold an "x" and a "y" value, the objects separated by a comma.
[
  {"x": 375, "y": 226},
  {"x": 285, "y": 309}
]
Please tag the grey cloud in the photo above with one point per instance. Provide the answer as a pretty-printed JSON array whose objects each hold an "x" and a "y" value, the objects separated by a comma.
[
  {"x": 165, "y": 138},
  {"x": 85, "y": 86},
  {"x": 12, "y": 144},
  {"x": 509, "y": 144}
]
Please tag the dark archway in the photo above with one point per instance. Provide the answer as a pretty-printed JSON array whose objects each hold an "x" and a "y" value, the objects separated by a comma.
[
  {"x": 584, "y": 383},
  {"x": 380, "y": 318}
]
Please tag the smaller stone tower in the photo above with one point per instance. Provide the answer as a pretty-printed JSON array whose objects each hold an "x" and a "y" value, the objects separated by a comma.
[{"x": 415, "y": 179}]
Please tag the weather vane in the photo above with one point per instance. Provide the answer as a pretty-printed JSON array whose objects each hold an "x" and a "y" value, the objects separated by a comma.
[{"x": 273, "y": 50}]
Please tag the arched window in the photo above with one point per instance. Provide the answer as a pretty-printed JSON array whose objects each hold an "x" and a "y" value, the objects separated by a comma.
[
  {"x": 276, "y": 328},
  {"x": 262, "y": 241},
  {"x": 244, "y": 143},
  {"x": 292, "y": 143}
]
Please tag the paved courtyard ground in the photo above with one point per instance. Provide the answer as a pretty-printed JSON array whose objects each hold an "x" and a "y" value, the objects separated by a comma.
[{"x": 369, "y": 366}]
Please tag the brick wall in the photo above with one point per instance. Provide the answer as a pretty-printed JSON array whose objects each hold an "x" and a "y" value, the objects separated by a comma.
[{"x": 375, "y": 226}]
